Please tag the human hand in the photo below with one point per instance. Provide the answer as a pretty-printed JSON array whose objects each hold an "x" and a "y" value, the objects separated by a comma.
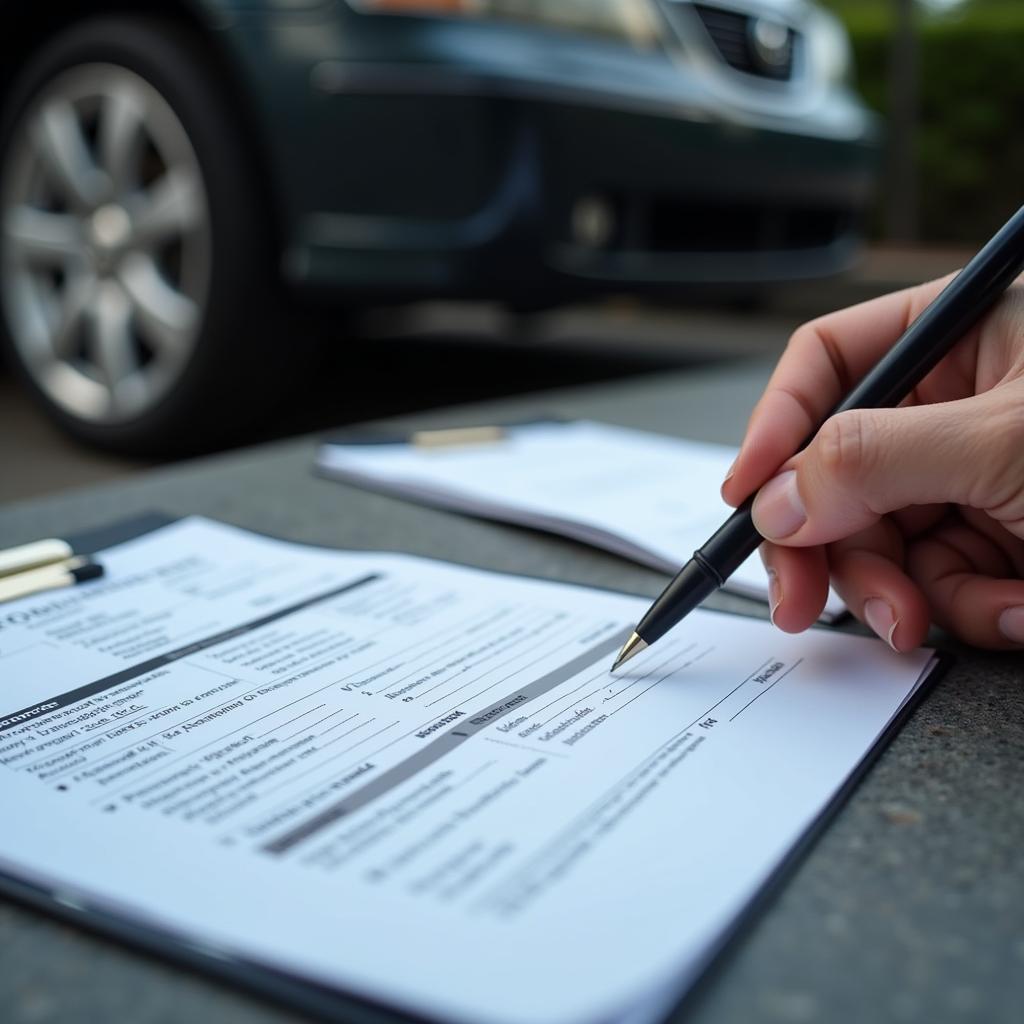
[{"x": 916, "y": 513}]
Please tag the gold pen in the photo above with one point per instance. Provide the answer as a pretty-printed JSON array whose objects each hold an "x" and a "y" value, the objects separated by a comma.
[{"x": 454, "y": 437}]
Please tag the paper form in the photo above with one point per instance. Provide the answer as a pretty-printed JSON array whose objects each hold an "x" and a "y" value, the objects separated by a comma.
[
  {"x": 415, "y": 782},
  {"x": 647, "y": 497}
]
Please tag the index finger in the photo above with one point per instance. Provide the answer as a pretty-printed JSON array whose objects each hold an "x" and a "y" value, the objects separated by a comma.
[{"x": 823, "y": 360}]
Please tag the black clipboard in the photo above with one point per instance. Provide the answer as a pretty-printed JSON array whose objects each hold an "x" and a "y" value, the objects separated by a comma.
[{"x": 331, "y": 1004}]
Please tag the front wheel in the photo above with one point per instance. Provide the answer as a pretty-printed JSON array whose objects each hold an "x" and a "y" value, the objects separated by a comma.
[{"x": 132, "y": 239}]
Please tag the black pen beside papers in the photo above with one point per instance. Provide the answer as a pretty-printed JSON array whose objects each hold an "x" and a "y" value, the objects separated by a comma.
[{"x": 414, "y": 784}]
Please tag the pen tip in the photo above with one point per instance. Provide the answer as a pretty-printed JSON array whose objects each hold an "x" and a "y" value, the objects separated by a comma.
[{"x": 630, "y": 649}]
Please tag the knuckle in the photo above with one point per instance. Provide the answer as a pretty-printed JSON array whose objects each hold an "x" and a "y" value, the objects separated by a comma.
[
  {"x": 793, "y": 400},
  {"x": 846, "y": 450},
  {"x": 800, "y": 337},
  {"x": 1000, "y": 450},
  {"x": 1009, "y": 425}
]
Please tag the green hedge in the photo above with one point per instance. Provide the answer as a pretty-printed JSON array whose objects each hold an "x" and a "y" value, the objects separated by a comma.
[{"x": 970, "y": 139}]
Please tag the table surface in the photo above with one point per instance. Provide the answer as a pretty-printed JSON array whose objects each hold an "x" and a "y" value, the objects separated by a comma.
[{"x": 909, "y": 907}]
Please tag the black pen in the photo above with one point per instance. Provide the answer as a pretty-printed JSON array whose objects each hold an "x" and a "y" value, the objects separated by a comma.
[{"x": 954, "y": 311}]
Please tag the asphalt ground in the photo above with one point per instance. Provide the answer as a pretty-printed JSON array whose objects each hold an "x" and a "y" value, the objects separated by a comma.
[
  {"x": 401, "y": 362},
  {"x": 430, "y": 356}
]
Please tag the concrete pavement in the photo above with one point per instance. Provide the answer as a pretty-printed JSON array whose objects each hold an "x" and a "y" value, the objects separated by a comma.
[{"x": 435, "y": 354}]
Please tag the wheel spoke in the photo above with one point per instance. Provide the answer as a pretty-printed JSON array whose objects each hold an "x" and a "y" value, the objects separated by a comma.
[
  {"x": 171, "y": 207},
  {"x": 38, "y": 236},
  {"x": 164, "y": 315},
  {"x": 112, "y": 347},
  {"x": 105, "y": 240},
  {"x": 121, "y": 137},
  {"x": 78, "y": 300},
  {"x": 65, "y": 155}
]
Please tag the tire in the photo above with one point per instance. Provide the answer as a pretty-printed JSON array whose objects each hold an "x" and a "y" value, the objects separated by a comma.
[{"x": 145, "y": 329}]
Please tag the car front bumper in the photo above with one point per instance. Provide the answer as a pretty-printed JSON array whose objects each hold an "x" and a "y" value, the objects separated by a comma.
[{"x": 442, "y": 157}]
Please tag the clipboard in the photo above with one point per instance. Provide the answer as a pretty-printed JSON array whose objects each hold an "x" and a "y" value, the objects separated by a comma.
[{"x": 334, "y": 1004}]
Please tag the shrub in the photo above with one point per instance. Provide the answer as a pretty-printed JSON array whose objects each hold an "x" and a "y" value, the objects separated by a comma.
[{"x": 969, "y": 140}]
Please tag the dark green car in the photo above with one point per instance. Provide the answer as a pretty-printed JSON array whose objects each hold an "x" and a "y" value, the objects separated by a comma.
[{"x": 170, "y": 170}]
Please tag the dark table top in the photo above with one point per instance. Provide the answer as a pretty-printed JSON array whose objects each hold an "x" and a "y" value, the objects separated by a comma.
[{"x": 909, "y": 908}]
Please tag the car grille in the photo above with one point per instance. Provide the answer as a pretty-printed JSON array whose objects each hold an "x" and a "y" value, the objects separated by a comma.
[
  {"x": 658, "y": 223},
  {"x": 734, "y": 36},
  {"x": 716, "y": 226}
]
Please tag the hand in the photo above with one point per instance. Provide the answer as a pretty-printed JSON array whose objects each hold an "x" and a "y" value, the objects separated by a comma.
[{"x": 916, "y": 513}]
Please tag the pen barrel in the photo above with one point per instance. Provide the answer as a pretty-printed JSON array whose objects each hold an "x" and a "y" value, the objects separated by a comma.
[
  {"x": 34, "y": 581},
  {"x": 33, "y": 556},
  {"x": 49, "y": 577},
  {"x": 959, "y": 306},
  {"x": 714, "y": 562},
  {"x": 731, "y": 544}
]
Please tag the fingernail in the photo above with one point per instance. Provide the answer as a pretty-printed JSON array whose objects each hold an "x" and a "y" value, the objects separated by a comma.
[
  {"x": 778, "y": 509},
  {"x": 882, "y": 619},
  {"x": 1011, "y": 624},
  {"x": 774, "y": 593},
  {"x": 728, "y": 477}
]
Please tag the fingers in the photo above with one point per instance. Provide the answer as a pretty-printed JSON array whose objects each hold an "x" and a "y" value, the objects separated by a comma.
[
  {"x": 797, "y": 585},
  {"x": 868, "y": 574},
  {"x": 820, "y": 363},
  {"x": 956, "y": 575},
  {"x": 865, "y": 463},
  {"x": 1009, "y": 546},
  {"x": 915, "y": 519},
  {"x": 866, "y": 571},
  {"x": 949, "y": 565}
]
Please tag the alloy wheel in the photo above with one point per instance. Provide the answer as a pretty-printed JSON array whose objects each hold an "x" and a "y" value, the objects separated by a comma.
[{"x": 106, "y": 244}]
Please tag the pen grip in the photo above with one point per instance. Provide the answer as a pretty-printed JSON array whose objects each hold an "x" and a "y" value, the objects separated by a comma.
[
  {"x": 712, "y": 564},
  {"x": 731, "y": 544}
]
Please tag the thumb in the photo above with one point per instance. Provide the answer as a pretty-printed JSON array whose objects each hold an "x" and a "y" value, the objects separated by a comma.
[{"x": 867, "y": 462}]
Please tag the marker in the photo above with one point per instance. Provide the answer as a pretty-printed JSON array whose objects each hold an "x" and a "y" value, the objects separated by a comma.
[
  {"x": 34, "y": 555},
  {"x": 457, "y": 437},
  {"x": 68, "y": 573}
]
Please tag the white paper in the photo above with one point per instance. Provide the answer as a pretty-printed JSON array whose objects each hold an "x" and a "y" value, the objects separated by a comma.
[
  {"x": 646, "y": 497},
  {"x": 415, "y": 782}
]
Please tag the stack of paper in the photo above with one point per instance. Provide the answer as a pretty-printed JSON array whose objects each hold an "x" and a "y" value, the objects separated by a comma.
[
  {"x": 646, "y": 497},
  {"x": 413, "y": 783}
]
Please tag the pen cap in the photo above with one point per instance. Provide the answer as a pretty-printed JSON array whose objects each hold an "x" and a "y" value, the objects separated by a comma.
[
  {"x": 691, "y": 585},
  {"x": 89, "y": 571}
]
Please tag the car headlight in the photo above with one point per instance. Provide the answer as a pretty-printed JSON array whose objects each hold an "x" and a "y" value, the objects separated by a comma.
[
  {"x": 830, "y": 47},
  {"x": 625, "y": 19}
]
